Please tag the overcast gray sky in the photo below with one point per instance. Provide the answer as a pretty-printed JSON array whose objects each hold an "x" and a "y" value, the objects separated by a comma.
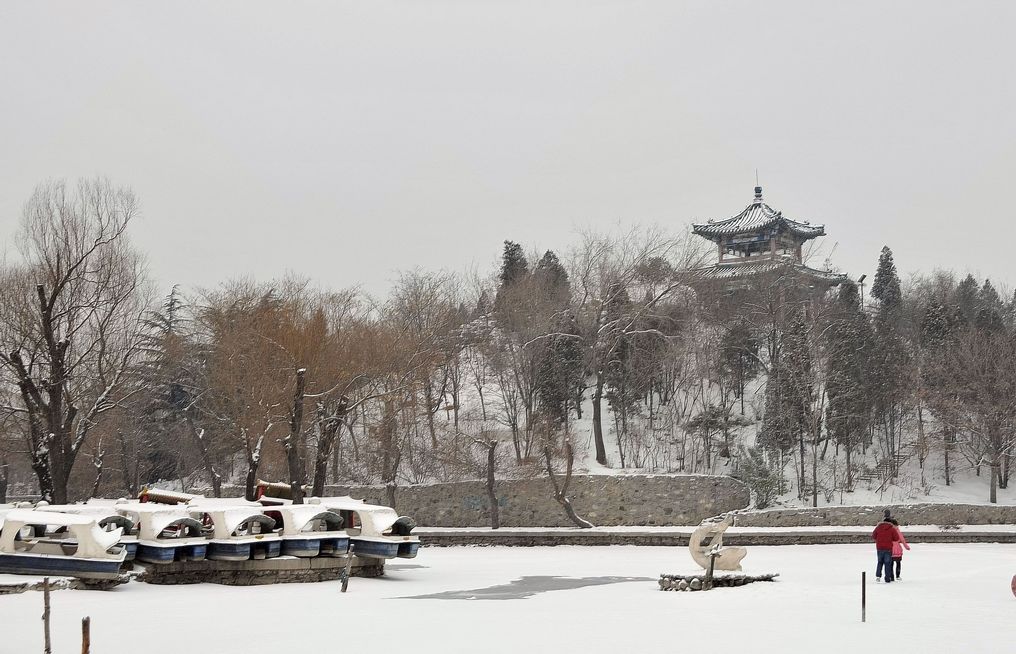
[{"x": 344, "y": 141}]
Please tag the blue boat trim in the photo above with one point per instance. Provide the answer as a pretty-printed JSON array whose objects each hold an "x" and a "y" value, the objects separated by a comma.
[
  {"x": 194, "y": 552},
  {"x": 375, "y": 549},
  {"x": 151, "y": 554},
  {"x": 334, "y": 546},
  {"x": 302, "y": 547},
  {"x": 25, "y": 564},
  {"x": 228, "y": 551},
  {"x": 408, "y": 549}
]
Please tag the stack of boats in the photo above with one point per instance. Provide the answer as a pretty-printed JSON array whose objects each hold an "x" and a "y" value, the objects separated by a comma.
[{"x": 97, "y": 539}]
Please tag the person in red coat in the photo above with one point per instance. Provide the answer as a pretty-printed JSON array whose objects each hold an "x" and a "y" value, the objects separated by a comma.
[
  {"x": 898, "y": 545},
  {"x": 884, "y": 535}
]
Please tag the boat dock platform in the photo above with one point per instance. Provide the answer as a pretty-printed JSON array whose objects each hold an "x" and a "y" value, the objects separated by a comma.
[{"x": 276, "y": 570}]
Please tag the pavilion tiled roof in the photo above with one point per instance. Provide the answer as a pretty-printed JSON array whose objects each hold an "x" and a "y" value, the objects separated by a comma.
[
  {"x": 757, "y": 216},
  {"x": 738, "y": 271}
]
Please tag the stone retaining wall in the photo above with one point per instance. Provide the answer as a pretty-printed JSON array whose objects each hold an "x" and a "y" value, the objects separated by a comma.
[
  {"x": 607, "y": 500},
  {"x": 680, "y": 539},
  {"x": 907, "y": 514},
  {"x": 603, "y": 500}
]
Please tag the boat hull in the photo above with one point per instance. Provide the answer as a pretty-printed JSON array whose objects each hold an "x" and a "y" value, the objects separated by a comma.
[
  {"x": 374, "y": 549},
  {"x": 408, "y": 549},
  {"x": 334, "y": 546},
  {"x": 169, "y": 553},
  {"x": 195, "y": 552},
  {"x": 243, "y": 550},
  {"x": 28, "y": 564},
  {"x": 151, "y": 554},
  {"x": 301, "y": 547}
]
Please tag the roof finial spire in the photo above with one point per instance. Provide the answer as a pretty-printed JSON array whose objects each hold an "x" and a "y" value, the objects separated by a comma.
[{"x": 758, "y": 189}]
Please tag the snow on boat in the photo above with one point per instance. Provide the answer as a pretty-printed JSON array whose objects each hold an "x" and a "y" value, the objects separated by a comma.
[
  {"x": 308, "y": 531},
  {"x": 106, "y": 517},
  {"x": 374, "y": 531},
  {"x": 89, "y": 552},
  {"x": 165, "y": 533},
  {"x": 160, "y": 496},
  {"x": 240, "y": 531}
]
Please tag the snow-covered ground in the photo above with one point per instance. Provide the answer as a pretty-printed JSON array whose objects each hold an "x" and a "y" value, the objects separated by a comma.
[{"x": 954, "y": 598}]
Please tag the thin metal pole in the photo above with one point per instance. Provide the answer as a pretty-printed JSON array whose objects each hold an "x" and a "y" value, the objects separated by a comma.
[
  {"x": 86, "y": 635},
  {"x": 864, "y": 584},
  {"x": 45, "y": 615}
]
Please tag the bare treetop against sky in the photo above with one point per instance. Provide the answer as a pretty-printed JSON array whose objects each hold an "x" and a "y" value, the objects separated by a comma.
[{"x": 344, "y": 141}]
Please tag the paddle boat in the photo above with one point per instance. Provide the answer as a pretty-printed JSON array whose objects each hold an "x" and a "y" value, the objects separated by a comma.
[
  {"x": 374, "y": 531},
  {"x": 88, "y": 551},
  {"x": 165, "y": 533},
  {"x": 105, "y": 515},
  {"x": 308, "y": 530},
  {"x": 239, "y": 530}
]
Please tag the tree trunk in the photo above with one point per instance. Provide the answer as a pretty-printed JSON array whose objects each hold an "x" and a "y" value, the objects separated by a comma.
[
  {"x": 390, "y": 489},
  {"x": 329, "y": 428},
  {"x": 129, "y": 479},
  {"x": 804, "y": 479},
  {"x": 495, "y": 511},
  {"x": 206, "y": 459},
  {"x": 814, "y": 475},
  {"x": 4, "y": 471},
  {"x": 97, "y": 463},
  {"x": 60, "y": 479},
  {"x": 945, "y": 450},
  {"x": 250, "y": 481},
  {"x": 320, "y": 472},
  {"x": 561, "y": 491},
  {"x": 993, "y": 492},
  {"x": 850, "y": 474},
  {"x": 293, "y": 443},
  {"x": 921, "y": 443},
  {"x": 430, "y": 413},
  {"x": 601, "y": 451},
  {"x": 1006, "y": 466}
]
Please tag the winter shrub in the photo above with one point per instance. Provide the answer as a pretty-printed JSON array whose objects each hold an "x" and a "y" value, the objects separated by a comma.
[{"x": 762, "y": 479}]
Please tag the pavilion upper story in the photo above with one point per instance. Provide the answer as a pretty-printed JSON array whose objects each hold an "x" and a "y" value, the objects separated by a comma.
[
  {"x": 759, "y": 233},
  {"x": 761, "y": 240}
]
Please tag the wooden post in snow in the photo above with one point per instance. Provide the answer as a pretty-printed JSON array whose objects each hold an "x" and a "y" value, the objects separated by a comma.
[
  {"x": 86, "y": 635},
  {"x": 45, "y": 616},
  {"x": 864, "y": 584},
  {"x": 712, "y": 566},
  {"x": 346, "y": 571}
]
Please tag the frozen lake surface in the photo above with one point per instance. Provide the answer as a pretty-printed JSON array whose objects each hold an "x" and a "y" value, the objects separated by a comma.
[{"x": 591, "y": 599}]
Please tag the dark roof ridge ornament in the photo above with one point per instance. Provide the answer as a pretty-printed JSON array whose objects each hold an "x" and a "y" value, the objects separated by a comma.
[{"x": 758, "y": 195}]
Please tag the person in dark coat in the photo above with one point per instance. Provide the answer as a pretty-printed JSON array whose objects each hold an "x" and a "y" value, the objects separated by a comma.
[{"x": 884, "y": 535}]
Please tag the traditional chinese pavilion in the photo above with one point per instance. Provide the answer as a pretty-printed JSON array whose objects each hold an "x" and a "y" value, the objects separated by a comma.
[{"x": 761, "y": 242}]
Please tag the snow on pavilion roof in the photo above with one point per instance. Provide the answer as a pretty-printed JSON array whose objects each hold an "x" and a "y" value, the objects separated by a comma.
[
  {"x": 757, "y": 216},
  {"x": 737, "y": 271}
]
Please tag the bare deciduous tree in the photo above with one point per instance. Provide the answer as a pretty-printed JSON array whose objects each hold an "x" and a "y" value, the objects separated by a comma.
[{"x": 72, "y": 319}]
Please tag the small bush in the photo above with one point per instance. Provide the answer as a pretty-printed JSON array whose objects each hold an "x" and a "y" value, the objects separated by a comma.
[{"x": 762, "y": 480}]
